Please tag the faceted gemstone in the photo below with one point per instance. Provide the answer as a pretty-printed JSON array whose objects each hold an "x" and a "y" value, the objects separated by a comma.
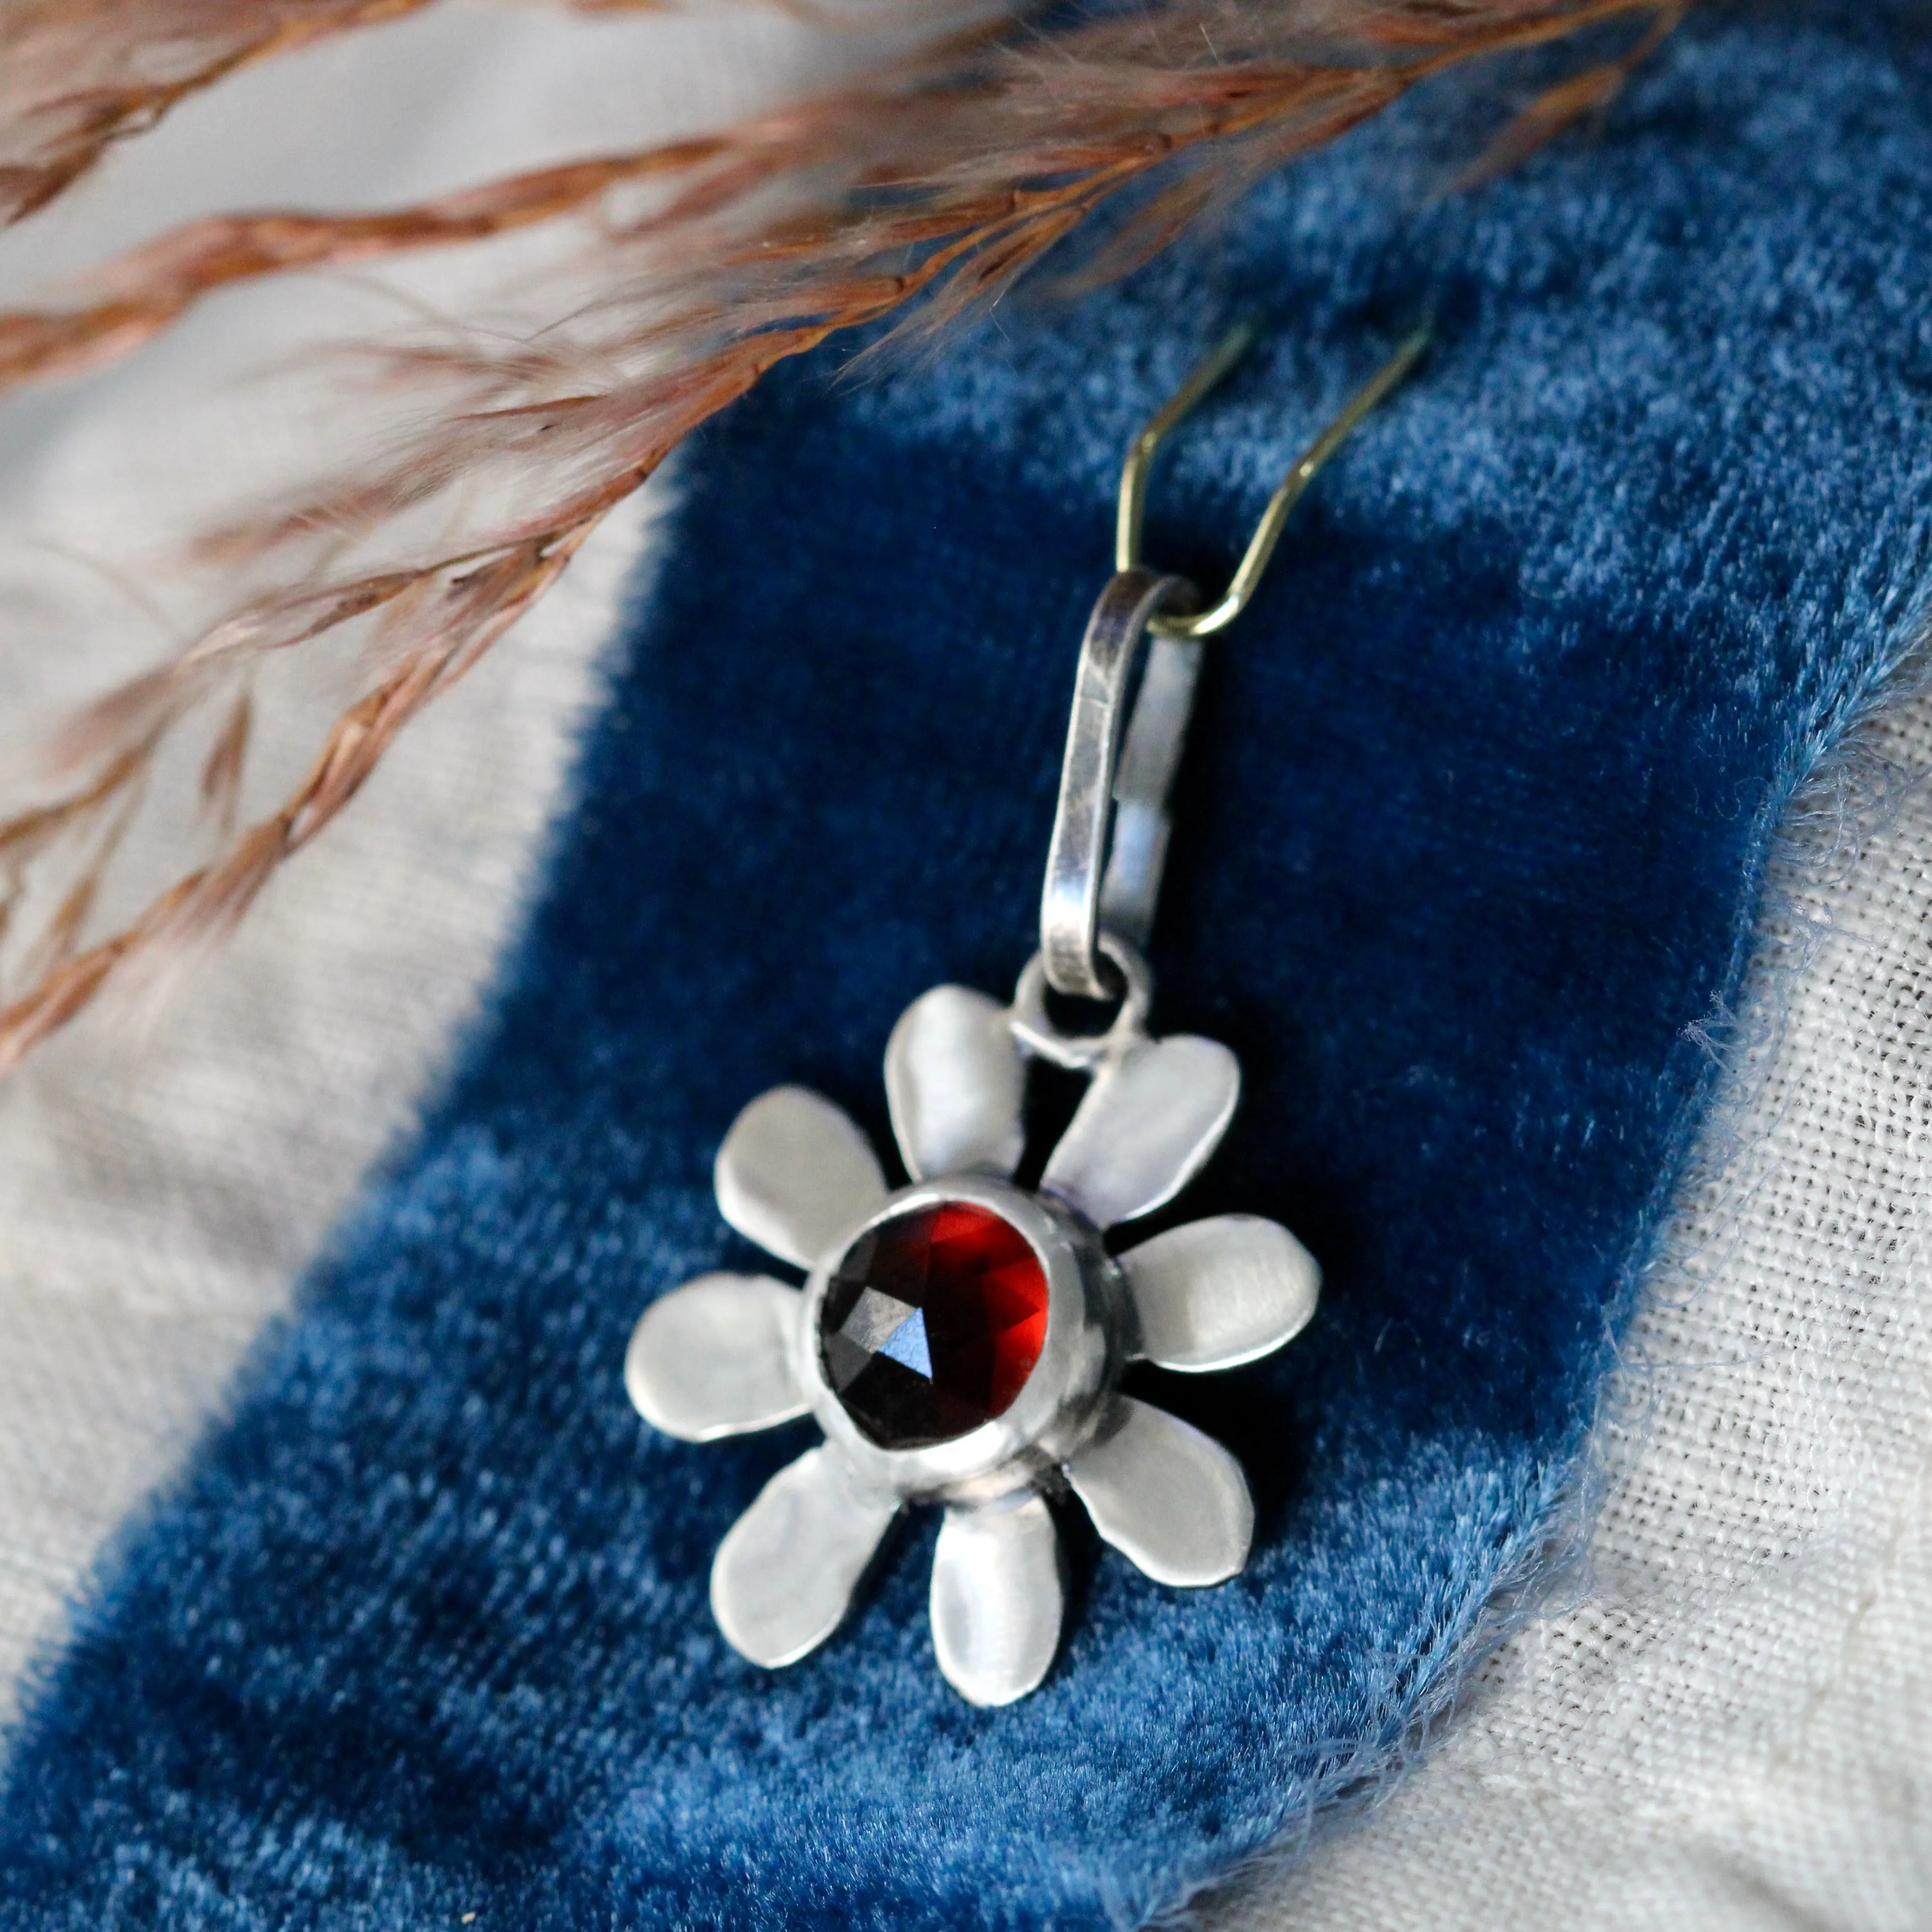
[{"x": 931, "y": 1324}]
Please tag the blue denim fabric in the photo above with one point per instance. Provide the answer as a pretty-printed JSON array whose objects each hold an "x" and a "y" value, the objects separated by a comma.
[{"x": 1471, "y": 831}]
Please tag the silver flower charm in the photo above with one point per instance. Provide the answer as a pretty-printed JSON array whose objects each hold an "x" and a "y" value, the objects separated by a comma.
[{"x": 961, "y": 1340}]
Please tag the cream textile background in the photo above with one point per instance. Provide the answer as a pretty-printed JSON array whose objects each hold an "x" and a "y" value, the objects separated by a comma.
[
  {"x": 165, "y": 1175},
  {"x": 1727, "y": 1726}
]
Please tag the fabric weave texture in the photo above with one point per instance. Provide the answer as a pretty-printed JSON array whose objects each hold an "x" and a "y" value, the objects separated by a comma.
[
  {"x": 1470, "y": 841},
  {"x": 1719, "y": 1718}
]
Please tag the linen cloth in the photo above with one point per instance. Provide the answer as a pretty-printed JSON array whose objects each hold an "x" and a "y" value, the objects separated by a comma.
[
  {"x": 165, "y": 1174},
  {"x": 1370, "y": 1905},
  {"x": 1721, "y": 1721}
]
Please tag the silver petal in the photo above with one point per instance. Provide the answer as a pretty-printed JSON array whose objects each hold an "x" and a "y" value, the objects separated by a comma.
[
  {"x": 783, "y": 1578},
  {"x": 956, "y": 1082},
  {"x": 1144, "y": 1127},
  {"x": 714, "y": 1358},
  {"x": 1217, "y": 1293},
  {"x": 998, "y": 1597},
  {"x": 794, "y": 1174},
  {"x": 1171, "y": 1500}
]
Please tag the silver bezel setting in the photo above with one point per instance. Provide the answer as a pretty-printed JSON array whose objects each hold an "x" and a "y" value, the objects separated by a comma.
[{"x": 1063, "y": 1398}]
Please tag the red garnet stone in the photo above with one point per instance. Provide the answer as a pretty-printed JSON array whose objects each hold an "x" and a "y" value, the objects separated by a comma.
[{"x": 931, "y": 1324}]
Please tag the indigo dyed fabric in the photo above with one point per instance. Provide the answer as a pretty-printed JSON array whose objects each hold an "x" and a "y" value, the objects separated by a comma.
[{"x": 1469, "y": 840}]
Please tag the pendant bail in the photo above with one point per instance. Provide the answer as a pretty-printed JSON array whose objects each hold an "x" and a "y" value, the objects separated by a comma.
[{"x": 1110, "y": 831}]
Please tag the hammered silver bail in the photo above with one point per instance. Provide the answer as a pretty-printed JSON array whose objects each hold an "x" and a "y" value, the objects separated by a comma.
[{"x": 1111, "y": 828}]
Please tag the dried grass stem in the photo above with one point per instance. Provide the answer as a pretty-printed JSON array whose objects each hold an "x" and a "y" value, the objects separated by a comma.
[{"x": 922, "y": 195}]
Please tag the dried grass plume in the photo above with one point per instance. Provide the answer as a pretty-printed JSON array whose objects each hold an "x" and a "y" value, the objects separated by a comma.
[{"x": 917, "y": 196}]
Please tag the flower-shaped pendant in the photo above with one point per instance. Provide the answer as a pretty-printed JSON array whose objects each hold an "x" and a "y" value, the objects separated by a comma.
[{"x": 961, "y": 1339}]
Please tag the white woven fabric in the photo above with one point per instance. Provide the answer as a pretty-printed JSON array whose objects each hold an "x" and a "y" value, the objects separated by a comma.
[
  {"x": 159, "y": 1192},
  {"x": 164, "y": 1176},
  {"x": 1728, "y": 1725}
]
